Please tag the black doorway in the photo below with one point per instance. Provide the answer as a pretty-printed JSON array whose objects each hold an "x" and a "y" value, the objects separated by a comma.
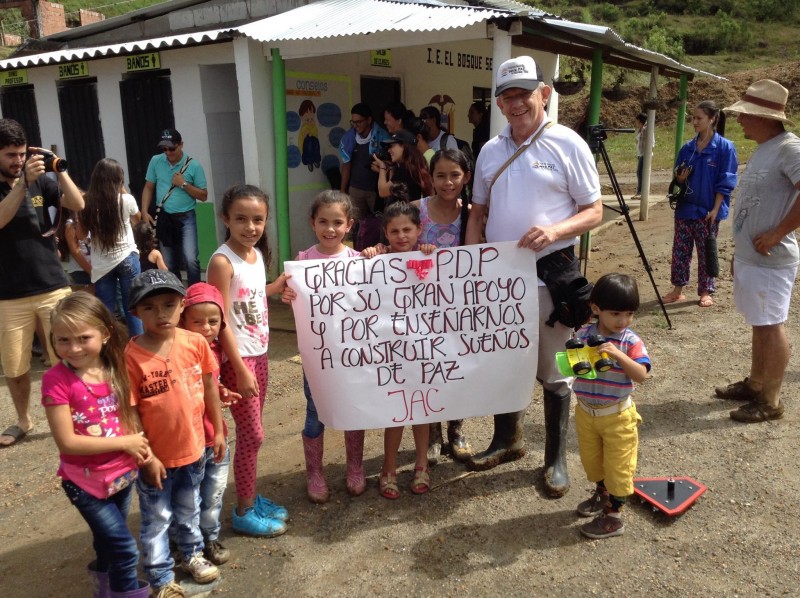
[
  {"x": 146, "y": 111},
  {"x": 80, "y": 123},
  {"x": 379, "y": 92},
  {"x": 19, "y": 102}
]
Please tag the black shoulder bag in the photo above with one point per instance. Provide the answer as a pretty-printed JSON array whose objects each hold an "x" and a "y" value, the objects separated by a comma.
[{"x": 569, "y": 289}]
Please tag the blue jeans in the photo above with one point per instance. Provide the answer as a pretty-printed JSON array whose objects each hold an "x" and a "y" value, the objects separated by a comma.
[
  {"x": 182, "y": 244},
  {"x": 313, "y": 427},
  {"x": 113, "y": 542},
  {"x": 106, "y": 289},
  {"x": 179, "y": 500},
  {"x": 212, "y": 489}
]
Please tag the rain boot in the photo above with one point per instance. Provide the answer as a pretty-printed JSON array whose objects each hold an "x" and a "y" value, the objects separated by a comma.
[
  {"x": 142, "y": 592},
  {"x": 435, "y": 442},
  {"x": 460, "y": 449},
  {"x": 354, "y": 447},
  {"x": 99, "y": 581},
  {"x": 507, "y": 443},
  {"x": 556, "y": 423},
  {"x": 316, "y": 487}
]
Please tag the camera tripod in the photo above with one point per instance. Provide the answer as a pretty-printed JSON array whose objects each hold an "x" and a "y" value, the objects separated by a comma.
[{"x": 596, "y": 135}]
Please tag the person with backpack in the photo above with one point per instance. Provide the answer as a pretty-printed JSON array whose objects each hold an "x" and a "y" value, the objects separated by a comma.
[{"x": 436, "y": 134}]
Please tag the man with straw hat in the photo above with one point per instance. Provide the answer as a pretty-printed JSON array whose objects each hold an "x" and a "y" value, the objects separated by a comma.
[{"x": 766, "y": 257}]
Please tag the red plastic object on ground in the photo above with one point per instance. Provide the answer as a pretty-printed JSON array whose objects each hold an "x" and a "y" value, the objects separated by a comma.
[{"x": 672, "y": 496}]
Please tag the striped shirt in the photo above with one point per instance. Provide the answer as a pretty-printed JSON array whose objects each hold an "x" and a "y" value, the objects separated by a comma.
[{"x": 614, "y": 385}]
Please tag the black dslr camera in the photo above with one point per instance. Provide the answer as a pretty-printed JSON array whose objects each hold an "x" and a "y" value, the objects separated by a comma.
[
  {"x": 383, "y": 154},
  {"x": 52, "y": 163},
  {"x": 676, "y": 192}
]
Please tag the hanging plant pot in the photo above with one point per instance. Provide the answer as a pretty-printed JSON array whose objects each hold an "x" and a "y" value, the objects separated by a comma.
[
  {"x": 568, "y": 88},
  {"x": 615, "y": 94},
  {"x": 674, "y": 103},
  {"x": 653, "y": 104}
]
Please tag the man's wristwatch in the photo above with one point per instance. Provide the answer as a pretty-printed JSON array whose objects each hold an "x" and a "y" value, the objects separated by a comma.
[{"x": 184, "y": 186}]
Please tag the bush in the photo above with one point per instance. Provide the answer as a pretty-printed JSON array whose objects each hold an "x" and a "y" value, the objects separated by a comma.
[
  {"x": 606, "y": 13},
  {"x": 781, "y": 11},
  {"x": 661, "y": 41}
]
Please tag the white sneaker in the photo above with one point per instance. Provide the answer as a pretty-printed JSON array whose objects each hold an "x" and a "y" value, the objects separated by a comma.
[{"x": 200, "y": 569}]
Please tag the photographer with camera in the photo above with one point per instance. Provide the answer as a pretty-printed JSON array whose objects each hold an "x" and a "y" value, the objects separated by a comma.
[
  {"x": 705, "y": 176},
  {"x": 32, "y": 279},
  {"x": 399, "y": 161}
]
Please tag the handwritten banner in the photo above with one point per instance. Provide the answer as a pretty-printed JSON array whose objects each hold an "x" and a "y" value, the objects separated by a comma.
[{"x": 407, "y": 338}]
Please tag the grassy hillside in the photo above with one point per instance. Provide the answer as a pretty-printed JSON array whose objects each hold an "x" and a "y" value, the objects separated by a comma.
[
  {"x": 110, "y": 8},
  {"x": 720, "y": 36},
  {"x": 13, "y": 22}
]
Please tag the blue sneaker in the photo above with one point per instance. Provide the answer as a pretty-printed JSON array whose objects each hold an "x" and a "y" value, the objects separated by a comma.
[
  {"x": 269, "y": 510},
  {"x": 251, "y": 524}
]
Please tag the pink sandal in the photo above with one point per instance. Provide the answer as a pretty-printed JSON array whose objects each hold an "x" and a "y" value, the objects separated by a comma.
[
  {"x": 421, "y": 483},
  {"x": 387, "y": 484}
]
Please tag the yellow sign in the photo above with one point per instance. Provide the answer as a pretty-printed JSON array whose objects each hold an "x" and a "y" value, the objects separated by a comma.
[
  {"x": 15, "y": 77},
  {"x": 380, "y": 58},
  {"x": 143, "y": 62},
  {"x": 72, "y": 70}
]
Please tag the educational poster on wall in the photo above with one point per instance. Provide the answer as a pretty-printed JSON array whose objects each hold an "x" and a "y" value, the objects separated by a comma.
[
  {"x": 317, "y": 115},
  {"x": 407, "y": 338}
]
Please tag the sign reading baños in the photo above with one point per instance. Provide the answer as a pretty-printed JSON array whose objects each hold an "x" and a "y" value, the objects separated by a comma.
[{"x": 406, "y": 338}]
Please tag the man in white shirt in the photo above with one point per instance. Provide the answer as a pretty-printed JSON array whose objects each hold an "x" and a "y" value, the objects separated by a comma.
[{"x": 544, "y": 199}]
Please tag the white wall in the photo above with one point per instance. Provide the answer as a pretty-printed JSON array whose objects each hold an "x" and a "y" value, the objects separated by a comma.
[{"x": 424, "y": 72}]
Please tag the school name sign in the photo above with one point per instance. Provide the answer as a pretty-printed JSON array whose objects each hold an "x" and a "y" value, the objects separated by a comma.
[{"x": 407, "y": 338}]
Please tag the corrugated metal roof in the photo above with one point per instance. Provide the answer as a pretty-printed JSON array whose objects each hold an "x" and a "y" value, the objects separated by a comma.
[
  {"x": 74, "y": 54},
  {"x": 354, "y": 19},
  {"x": 606, "y": 37},
  {"x": 340, "y": 18}
]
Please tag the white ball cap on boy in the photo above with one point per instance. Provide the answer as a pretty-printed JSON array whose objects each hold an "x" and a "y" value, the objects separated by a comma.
[{"x": 519, "y": 72}]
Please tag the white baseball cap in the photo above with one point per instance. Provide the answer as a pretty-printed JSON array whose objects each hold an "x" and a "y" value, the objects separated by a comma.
[{"x": 519, "y": 72}]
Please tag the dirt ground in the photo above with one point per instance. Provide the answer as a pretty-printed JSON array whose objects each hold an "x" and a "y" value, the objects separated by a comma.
[
  {"x": 491, "y": 533},
  {"x": 620, "y": 111}
]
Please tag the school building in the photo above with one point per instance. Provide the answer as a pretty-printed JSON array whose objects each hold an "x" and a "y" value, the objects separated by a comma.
[{"x": 249, "y": 82}]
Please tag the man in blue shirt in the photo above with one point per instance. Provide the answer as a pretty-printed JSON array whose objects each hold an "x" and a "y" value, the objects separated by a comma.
[
  {"x": 355, "y": 150},
  {"x": 178, "y": 182}
]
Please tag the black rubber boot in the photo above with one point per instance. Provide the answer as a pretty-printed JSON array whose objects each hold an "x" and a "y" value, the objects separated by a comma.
[
  {"x": 460, "y": 449},
  {"x": 435, "y": 442},
  {"x": 507, "y": 443},
  {"x": 556, "y": 424}
]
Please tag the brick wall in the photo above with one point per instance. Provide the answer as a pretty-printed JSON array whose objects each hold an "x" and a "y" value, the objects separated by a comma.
[
  {"x": 51, "y": 18},
  {"x": 9, "y": 39},
  {"x": 90, "y": 16}
]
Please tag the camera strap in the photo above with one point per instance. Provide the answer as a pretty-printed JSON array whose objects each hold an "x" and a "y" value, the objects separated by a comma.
[
  {"x": 171, "y": 189},
  {"x": 516, "y": 155}
]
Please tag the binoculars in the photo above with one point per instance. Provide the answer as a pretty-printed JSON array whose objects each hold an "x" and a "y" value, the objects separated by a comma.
[{"x": 582, "y": 360}]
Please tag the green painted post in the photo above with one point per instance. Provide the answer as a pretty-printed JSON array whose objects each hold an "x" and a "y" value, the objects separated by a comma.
[
  {"x": 206, "y": 232},
  {"x": 595, "y": 88},
  {"x": 680, "y": 125},
  {"x": 281, "y": 160},
  {"x": 593, "y": 118}
]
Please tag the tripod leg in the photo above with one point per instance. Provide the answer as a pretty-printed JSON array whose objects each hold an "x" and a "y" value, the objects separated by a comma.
[{"x": 626, "y": 212}]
